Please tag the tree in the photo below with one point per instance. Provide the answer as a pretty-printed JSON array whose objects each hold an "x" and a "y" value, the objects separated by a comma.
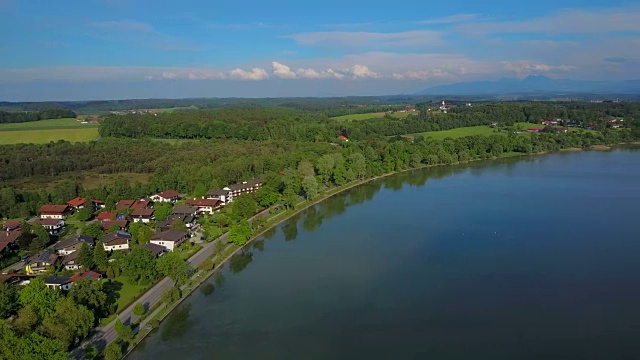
[
  {"x": 69, "y": 322},
  {"x": 240, "y": 233},
  {"x": 8, "y": 300},
  {"x": 100, "y": 256},
  {"x": 325, "y": 166},
  {"x": 172, "y": 265},
  {"x": 40, "y": 232},
  {"x": 91, "y": 352},
  {"x": 220, "y": 220},
  {"x": 93, "y": 230},
  {"x": 27, "y": 319},
  {"x": 162, "y": 211},
  {"x": 243, "y": 207},
  {"x": 178, "y": 225},
  {"x": 267, "y": 196},
  {"x": 140, "y": 266},
  {"x": 310, "y": 187},
  {"x": 358, "y": 163},
  {"x": 38, "y": 295},
  {"x": 138, "y": 309},
  {"x": 305, "y": 168},
  {"x": 31, "y": 346},
  {"x": 125, "y": 334},
  {"x": 83, "y": 214},
  {"x": 85, "y": 256},
  {"x": 92, "y": 294},
  {"x": 290, "y": 200},
  {"x": 113, "y": 351}
]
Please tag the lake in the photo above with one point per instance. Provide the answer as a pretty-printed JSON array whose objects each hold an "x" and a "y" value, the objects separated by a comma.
[{"x": 533, "y": 258}]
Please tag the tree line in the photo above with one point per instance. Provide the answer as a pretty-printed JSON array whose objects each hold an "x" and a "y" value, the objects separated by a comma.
[{"x": 28, "y": 116}]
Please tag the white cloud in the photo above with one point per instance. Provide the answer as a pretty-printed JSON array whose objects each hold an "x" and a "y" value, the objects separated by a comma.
[
  {"x": 362, "y": 72},
  {"x": 168, "y": 75},
  {"x": 362, "y": 39},
  {"x": 253, "y": 74},
  {"x": 526, "y": 68},
  {"x": 282, "y": 71}
]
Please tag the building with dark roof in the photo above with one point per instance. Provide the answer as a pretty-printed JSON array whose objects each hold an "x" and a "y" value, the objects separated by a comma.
[
  {"x": 58, "y": 282},
  {"x": 117, "y": 240},
  {"x": 157, "y": 250},
  {"x": 169, "y": 239},
  {"x": 67, "y": 246}
]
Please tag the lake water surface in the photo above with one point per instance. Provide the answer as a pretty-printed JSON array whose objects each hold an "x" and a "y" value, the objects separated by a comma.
[{"x": 537, "y": 258}]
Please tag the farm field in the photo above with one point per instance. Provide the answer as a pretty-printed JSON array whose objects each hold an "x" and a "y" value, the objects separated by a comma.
[
  {"x": 367, "y": 116},
  {"x": 459, "y": 132},
  {"x": 44, "y": 131}
]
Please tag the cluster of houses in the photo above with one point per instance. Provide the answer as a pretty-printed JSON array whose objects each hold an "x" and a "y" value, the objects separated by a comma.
[{"x": 115, "y": 224}]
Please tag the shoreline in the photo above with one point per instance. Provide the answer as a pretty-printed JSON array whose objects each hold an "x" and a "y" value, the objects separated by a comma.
[{"x": 322, "y": 197}]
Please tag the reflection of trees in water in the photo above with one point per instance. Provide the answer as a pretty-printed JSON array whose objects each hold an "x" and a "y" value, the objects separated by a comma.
[
  {"x": 218, "y": 278},
  {"x": 207, "y": 289},
  {"x": 313, "y": 218},
  {"x": 177, "y": 324},
  {"x": 258, "y": 245},
  {"x": 239, "y": 262},
  {"x": 269, "y": 233},
  {"x": 290, "y": 230}
]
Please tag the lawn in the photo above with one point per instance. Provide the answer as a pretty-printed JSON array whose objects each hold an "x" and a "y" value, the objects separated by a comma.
[
  {"x": 40, "y": 136},
  {"x": 125, "y": 291},
  {"x": 459, "y": 132}
]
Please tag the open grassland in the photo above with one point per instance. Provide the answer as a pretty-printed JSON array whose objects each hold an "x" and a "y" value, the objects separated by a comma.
[
  {"x": 68, "y": 123},
  {"x": 44, "y": 131},
  {"x": 459, "y": 132},
  {"x": 45, "y": 136},
  {"x": 352, "y": 117},
  {"x": 368, "y": 116}
]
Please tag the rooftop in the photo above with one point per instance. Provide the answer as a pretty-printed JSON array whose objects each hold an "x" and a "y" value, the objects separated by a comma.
[
  {"x": 167, "y": 194},
  {"x": 75, "y": 240},
  {"x": 76, "y": 202},
  {"x": 185, "y": 210},
  {"x": 154, "y": 248},
  {"x": 53, "y": 209},
  {"x": 9, "y": 236},
  {"x": 57, "y": 280},
  {"x": 87, "y": 275},
  {"x": 170, "y": 235},
  {"x": 142, "y": 212},
  {"x": 204, "y": 202}
]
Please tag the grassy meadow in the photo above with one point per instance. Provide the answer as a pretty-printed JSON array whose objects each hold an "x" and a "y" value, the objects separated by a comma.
[
  {"x": 459, "y": 132},
  {"x": 44, "y": 131}
]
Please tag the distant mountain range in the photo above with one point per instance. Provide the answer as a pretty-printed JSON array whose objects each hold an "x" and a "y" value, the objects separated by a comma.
[{"x": 535, "y": 84}]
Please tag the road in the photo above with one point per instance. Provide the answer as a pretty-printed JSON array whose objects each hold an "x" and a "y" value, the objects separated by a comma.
[{"x": 104, "y": 335}]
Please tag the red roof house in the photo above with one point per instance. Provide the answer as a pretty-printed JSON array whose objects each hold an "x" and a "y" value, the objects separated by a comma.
[
  {"x": 207, "y": 206},
  {"x": 77, "y": 203},
  {"x": 106, "y": 216},
  {"x": 87, "y": 275},
  {"x": 12, "y": 225},
  {"x": 166, "y": 196},
  {"x": 54, "y": 211},
  {"x": 343, "y": 138}
]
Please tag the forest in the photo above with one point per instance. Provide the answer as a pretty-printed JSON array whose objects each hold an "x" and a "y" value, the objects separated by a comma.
[{"x": 27, "y": 116}]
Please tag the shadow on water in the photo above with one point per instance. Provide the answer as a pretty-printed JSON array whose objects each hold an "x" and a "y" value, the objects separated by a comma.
[
  {"x": 207, "y": 289},
  {"x": 178, "y": 323}
]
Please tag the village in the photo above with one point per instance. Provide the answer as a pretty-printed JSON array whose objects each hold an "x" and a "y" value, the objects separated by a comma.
[{"x": 59, "y": 263}]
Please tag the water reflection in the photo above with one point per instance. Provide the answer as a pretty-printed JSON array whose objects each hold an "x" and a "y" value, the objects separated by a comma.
[
  {"x": 239, "y": 262},
  {"x": 258, "y": 245},
  {"x": 178, "y": 323},
  {"x": 290, "y": 229},
  {"x": 207, "y": 289}
]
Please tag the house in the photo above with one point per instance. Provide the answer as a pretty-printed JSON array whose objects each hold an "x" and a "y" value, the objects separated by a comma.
[
  {"x": 157, "y": 250},
  {"x": 68, "y": 246},
  {"x": 53, "y": 226},
  {"x": 12, "y": 225},
  {"x": 185, "y": 210},
  {"x": 7, "y": 239},
  {"x": 343, "y": 138},
  {"x": 188, "y": 220},
  {"x": 132, "y": 204},
  {"x": 54, "y": 211},
  {"x": 70, "y": 261},
  {"x": 77, "y": 203},
  {"x": 206, "y": 206},
  {"x": 142, "y": 215},
  {"x": 248, "y": 186},
  {"x": 58, "y": 282},
  {"x": 86, "y": 275},
  {"x": 107, "y": 224},
  {"x": 225, "y": 196},
  {"x": 41, "y": 262},
  {"x": 166, "y": 196},
  {"x": 170, "y": 239},
  {"x": 117, "y": 240},
  {"x": 15, "y": 279},
  {"x": 106, "y": 216},
  {"x": 98, "y": 204},
  {"x": 535, "y": 129}
]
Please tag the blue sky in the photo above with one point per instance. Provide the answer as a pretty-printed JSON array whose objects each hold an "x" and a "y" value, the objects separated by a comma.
[{"x": 102, "y": 49}]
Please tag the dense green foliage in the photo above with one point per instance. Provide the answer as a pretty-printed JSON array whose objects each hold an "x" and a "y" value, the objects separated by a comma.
[{"x": 20, "y": 117}]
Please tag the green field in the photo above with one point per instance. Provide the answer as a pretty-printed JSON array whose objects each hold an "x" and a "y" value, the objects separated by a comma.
[
  {"x": 44, "y": 131},
  {"x": 459, "y": 132},
  {"x": 352, "y": 117}
]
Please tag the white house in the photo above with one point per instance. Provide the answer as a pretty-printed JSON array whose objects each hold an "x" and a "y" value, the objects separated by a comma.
[
  {"x": 166, "y": 196},
  {"x": 142, "y": 215},
  {"x": 54, "y": 211},
  {"x": 58, "y": 282},
  {"x": 117, "y": 240},
  {"x": 170, "y": 239},
  {"x": 68, "y": 246},
  {"x": 206, "y": 206},
  {"x": 225, "y": 195},
  {"x": 53, "y": 226}
]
